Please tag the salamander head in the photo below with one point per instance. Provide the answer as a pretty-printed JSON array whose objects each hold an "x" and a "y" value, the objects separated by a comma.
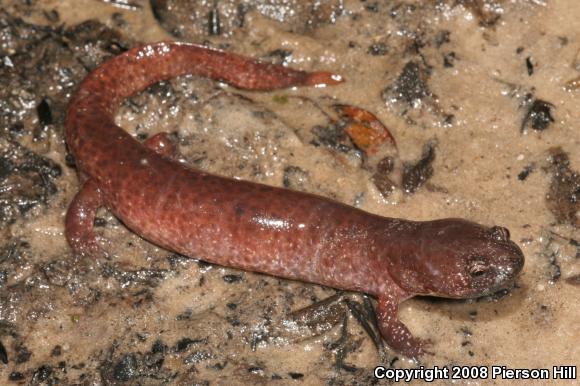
[{"x": 457, "y": 259}]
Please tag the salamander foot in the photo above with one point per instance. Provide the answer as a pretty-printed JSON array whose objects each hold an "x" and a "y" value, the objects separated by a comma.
[
  {"x": 79, "y": 221},
  {"x": 395, "y": 333}
]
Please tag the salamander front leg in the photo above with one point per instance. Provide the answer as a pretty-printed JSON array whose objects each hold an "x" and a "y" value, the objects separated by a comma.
[
  {"x": 80, "y": 218},
  {"x": 395, "y": 332}
]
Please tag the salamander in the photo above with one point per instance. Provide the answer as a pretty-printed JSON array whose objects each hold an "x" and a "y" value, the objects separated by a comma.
[{"x": 255, "y": 227}]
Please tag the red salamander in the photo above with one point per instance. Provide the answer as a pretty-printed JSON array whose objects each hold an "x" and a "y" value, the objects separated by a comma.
[{"x": 255, "y": 227}]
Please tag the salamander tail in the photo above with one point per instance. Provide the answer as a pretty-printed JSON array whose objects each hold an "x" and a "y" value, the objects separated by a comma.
[{"x": 323, "y": 78}]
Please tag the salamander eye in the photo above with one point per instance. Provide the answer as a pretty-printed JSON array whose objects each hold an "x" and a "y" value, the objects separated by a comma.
[
  {"x": 500, "y": 233},
  {"x": 478, "y": 268}
]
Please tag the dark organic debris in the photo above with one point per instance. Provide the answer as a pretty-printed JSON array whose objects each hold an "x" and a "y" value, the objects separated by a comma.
[
  {"x": 378, "y": 49},
  {"x": 137, "y": 367},
  {"x": 466, "y": 331},
  {"x": 44, "y": 112},
  {"x": 574, "y": 280},
  {"x": 16, "y": 376},
  {"x": 279, "y": 56},
  {"x": 14, "y": 256},
  {"x": 185, "y": 343},
  {"x": 197, "y": 19},
  {"x": 56, "y": 351},
  {"x": 573, "y": 84},
  {"x": 386, "y": 165},
  {"x": 26, "y": 180},
  {"x": 538, "y": 115},
  {"x": 320, "y": 316},
  {"x": 526, "y": 172},
  {"x": 198, "y": 356},
  {"x": 41, "y": 66},
  {"x": 529, "y": 66},
  {"x": 558, "y": 251},
  {"x": 324, "y": 314},
  {"x": 496, "y": 295},
  {"x": 384, "y": 184},
  {"x": 230, "y": 279},
  {"x": 332, "y": 136},
  {"x": 41, "y": 374},
  {"x": 294, "y": 375},
  {"x": 213, "y": 22},
  {"x": 126, "y": 368},
  {"x": 382, "y": 178},
  {"x": 16, "y": 33},
  {"x": 442, "y": 37},
  {"x": 295, "y": 178},
  {"x": 555, "y": 269},
  {"x": 96, "y": 42},
  {"x": 488, "y": 12},
  {"x": 23, "y": 354},
  {"x": 3, "y": 354},
  {"x": 411, "y": 85},
  {"x": 415, "y": 175},
  {"x": 256, "y": 370},
  {"x": 159, "y": 347},
  {"x": 449, "y": 60},
  {"x": 563, "y": 197},
  {"x": 149, "y": 278}
]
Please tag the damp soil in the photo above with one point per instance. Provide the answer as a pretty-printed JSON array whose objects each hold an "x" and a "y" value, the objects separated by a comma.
[{"x": 481, "y": 97}]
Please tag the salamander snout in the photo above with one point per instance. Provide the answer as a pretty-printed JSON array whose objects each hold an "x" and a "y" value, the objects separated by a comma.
[{"x": 495, "y": 264}]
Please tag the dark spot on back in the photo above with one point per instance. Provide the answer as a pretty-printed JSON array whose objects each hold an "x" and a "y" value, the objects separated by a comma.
[{"x": 239, "y": 210}]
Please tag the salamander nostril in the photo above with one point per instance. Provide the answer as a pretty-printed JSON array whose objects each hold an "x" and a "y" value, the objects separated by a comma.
[{"x": 500, "y": 233}]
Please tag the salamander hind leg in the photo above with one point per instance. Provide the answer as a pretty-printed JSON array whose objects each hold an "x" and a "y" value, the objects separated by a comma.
[
  {"x": 80, "y": 219},
  {"x": 395, "y": 333},
  {"x": 162, "y": 144}
]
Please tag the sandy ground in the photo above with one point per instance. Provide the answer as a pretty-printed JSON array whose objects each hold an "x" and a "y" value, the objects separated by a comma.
[{"x": 489, "y": 76}]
